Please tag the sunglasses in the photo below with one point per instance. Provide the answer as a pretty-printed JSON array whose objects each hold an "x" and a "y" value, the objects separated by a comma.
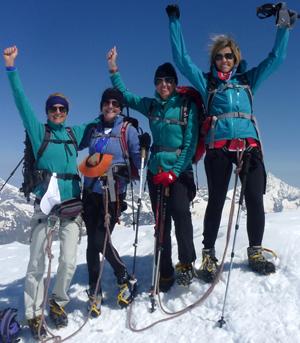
[
  {"x": 115, "y": 103},
  {"x": 159, "y": 80},
  {"x": 228, "y": 56},
  {"x": 53, "y": 109}
]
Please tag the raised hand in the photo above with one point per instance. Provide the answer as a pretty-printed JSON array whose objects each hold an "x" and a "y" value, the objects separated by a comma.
[
  {"x": 173, "y": 10},
  {"x": 111, "y": 58},
  {"x": 10, "y": 54}
]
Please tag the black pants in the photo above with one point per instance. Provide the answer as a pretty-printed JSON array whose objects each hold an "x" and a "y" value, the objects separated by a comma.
[
  {"x": 94, "y": 218},
  {"x": 178, "y": 208},
  {"x": 218, "y": 168}
]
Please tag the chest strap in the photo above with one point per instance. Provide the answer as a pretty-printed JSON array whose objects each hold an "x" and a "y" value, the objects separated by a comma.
[{"x": 105, "y": 135}]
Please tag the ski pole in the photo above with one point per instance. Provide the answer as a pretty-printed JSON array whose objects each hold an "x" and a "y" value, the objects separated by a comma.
[
  {"x": 156, "y": 233},
  {"x": 12, "y": 174},
  {"x": 160, "y": 239},
  {"x": 246, "y": 172},
  {"x": 144, "y": 155}
]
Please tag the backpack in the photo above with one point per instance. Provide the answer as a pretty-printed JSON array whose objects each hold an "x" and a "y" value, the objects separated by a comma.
[
  {"x": 131, "y": 173},
  {"x": 32, "y": 176},
  {"x": 8, "y": 325},
  {"x": 188, "y": 94}
]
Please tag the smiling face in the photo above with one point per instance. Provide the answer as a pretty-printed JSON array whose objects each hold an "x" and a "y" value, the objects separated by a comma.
[
  {"x": 165, "y": 89},
  {"x": 57, "y": 114},
  {"x": 225, "y": 65},
  {"x": 110, "y": 109}
]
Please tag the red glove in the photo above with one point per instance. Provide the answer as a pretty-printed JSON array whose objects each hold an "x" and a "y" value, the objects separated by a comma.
[{"x": 165, "y": 178}]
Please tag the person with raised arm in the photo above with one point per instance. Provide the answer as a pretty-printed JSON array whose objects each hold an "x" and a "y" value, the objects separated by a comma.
[
  {"x": 59, "y": 164},
  {"x": 172, "y": 151},
  {"x": 228, "y": 88}
]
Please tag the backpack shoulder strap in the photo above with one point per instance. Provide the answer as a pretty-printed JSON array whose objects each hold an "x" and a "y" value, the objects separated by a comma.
[
  {"x": 44, "y": 145},
  {"x": 123, "y": 140},
  {"x": 212, "y": 88},
  {"x": 151, "y": 112},
  {"x": 244, "y": 80},
  {"x": 185, "y": 106},
  {"x": 71, "y": 134}
]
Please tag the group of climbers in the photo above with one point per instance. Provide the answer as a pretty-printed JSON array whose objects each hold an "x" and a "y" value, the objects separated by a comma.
[{"x": 226, "y": 90}]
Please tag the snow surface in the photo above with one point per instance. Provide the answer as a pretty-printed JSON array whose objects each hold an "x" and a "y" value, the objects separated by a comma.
[{"x": 259, "y": 309}]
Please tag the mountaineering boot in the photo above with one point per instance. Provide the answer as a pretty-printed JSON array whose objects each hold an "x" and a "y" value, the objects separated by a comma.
[
  {"x": 165, "y": 284},
  {"x": 34, "y": 328},
  {"x": 94, "y": 303},
  {"x": 124, "y": 296},
  {"x": 258, "y": 263},
  {"x": 209, "y": 264},
  {"x": 185, "y": 274},
  {"x": 57, "y": 314}
]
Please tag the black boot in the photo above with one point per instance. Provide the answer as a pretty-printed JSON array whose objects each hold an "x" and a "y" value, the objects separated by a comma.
[
  {"x": 165, "y": 284},
  {"x": 258, "y": 263},
  {"x": 185, "y": 274},
  {"x": 124, "y": 294},
  {"x": 95, "y": 303},
  {"x": 57, "y": 314},
  {"x": 209, "y": 263},
  {"x": 33, "y": 324}
]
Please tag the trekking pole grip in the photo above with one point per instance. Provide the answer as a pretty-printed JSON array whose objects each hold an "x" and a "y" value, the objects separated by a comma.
[{"x": 144, "y": 153}]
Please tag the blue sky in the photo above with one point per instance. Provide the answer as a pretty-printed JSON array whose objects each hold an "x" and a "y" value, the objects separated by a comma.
[{"x": 63, "y": 45}]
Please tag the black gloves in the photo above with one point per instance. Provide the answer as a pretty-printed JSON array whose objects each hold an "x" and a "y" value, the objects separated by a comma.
[
  {"x": 173, "y": 10},
  {"x": 283, "y": 18},
  {"x": 145, "y": 141}
]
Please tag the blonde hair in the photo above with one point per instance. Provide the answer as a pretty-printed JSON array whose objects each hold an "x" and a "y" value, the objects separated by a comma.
[{"x": 220, "y": 42}]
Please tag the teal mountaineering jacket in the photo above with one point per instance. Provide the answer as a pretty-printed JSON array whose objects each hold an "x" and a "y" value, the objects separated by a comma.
[
  {"x": 57, "y": 158},
  {"x": 165, "y": 134},
  {"x": 231, "y": 99}
]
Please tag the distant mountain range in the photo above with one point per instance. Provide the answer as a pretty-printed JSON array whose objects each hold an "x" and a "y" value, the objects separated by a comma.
[{"x": 15, "y": 212}]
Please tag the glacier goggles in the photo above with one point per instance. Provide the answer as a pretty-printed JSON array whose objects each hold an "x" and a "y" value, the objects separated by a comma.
[
  {"x": 53, "y": 109},
  {"x": 115, "y": 103},
  {"x": 228, "y": 56},
  {"x": 160, "y": 80}
]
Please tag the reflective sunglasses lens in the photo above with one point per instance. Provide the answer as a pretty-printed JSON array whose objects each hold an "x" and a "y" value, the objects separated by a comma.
[
  {"x": 228, "y": 56},
  {"x": 115, "y": 103},
  {"x": 53, "y": 109},
  {"x": 169, "y": 80},
  {"x": 157, "y": 82}
]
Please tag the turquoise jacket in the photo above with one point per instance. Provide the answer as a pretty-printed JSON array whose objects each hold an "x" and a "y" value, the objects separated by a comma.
[
  {"x": 164, "y": 134},
  {"x": 56, "y": 158},
  {"x": 234, "y": 99}
]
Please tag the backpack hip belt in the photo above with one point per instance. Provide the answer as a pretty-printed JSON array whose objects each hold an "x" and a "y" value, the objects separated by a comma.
[
  {"x": 159, "y": 148},
  {"x": 40, "y": 176},
  {"x": 215, "y": 118}
]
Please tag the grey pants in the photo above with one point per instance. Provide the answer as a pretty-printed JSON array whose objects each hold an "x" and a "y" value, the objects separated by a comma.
[{"x": 34, "y": 285}]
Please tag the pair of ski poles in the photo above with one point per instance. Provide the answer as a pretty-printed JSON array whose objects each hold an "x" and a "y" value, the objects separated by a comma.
[
  {"x": 139, "y": 204},
  {"x": 161, "y": 208}
]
